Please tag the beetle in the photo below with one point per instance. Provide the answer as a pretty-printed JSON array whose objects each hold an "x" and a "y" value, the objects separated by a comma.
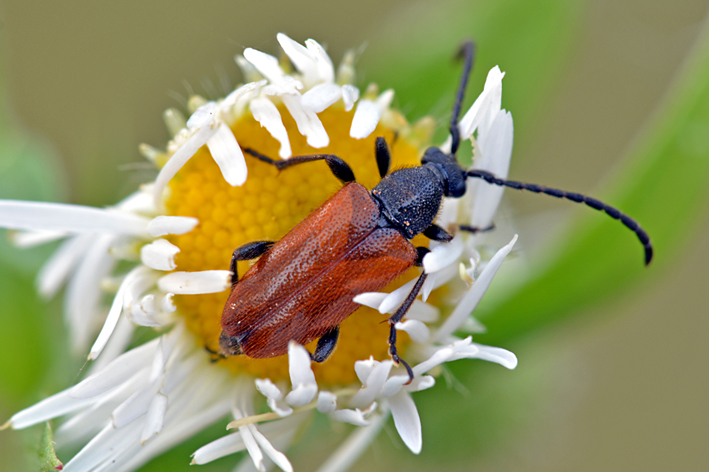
[{"x": 301, "y": 288}]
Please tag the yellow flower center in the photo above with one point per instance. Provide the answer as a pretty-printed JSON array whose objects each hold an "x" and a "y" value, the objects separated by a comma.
[{"x": 266, "y": 207}]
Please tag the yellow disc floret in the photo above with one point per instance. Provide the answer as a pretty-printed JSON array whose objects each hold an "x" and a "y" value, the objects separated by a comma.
[{"x": 266, "y": 207}]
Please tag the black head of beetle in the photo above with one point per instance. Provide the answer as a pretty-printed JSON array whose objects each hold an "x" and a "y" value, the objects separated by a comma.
[{"x": 410, "y": 198}]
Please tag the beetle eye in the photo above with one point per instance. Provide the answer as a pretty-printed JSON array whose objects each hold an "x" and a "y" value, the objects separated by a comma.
[{"x": 456, "y": 182}]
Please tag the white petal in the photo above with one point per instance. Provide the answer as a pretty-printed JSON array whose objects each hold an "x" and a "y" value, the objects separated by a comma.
[
  {"x": 495, "y": 354},
  {"x": 103, "y": 448},
  {"x": 273, "y": 394},
  {"x": 351, "y": 449},
  {"x": 228, "y": 156},
  {"x": 203, "y": 115},
  {"x": 418, "y": 331},
  {"x": 355, "y": 417},
  {"x": 422, "y": 382},
  {"x": 299, "y": 364},
  {"x": 56, "y": 270},
  {"x": 473, "y": 296},
  {"x": 135, "y": 406},
  {"x": 495, "y": 158},
  {"x": 166, "y": 344},
  {"x": 439, "y": 357},
  {"x": 52, "y": 407},
  {"x": 472, "y": 325},
  {"x": 242, "y": 91},
  {"x": 368, "y": 114},
  {"x": 266, "y": 113},
  {"x": 163, "y": 225},
  {"x": 279, "y": 407},
  {"x": 24, "y": 239},
  {"x": 166, "y": 304},
  {"x": 308, "y": 123},
  {"x": 497, "y": 149},
  {"x": 83, "y": 293},
  {"x": 182, "y": 422},
  {"x": 428, "y": 285},
  {"x": 233, "y": 443},
  {"x": 443, "y": 255},
  {"x": 495, "y": 103},
  {"x": 364, "y": 368},
  {"x": 114, "y": 313},
  {"x": 155, "y": 418},
  {"x": 40, "y": 216},
  {"x": 350, "y": 94},
  {"x": 179, "y": 159},
  {"x": 193, "y": 283},
  {"x": 248, "y": 71},
  {"x": 117, "y": 345},
  {"x": 487, "y": 100},
  {"x": 302, "y": 377},
  {"x": 159, "y": 255},
  {"x": 138, "y": 315},
  {"x": 423, "y": 312},
  {"x": 139, "y": 202},
  {"x": 83, "y": 425},
  {"x": 301, "y": 57},
  {"x": 406, "y": 420},
  {"x": 448, "y": 214},
  {"x": 327, "y": 402},
  {"x": 221, "y": 447},
  {"x": 268, "y": 66},
  {"x": 393, "y": 385},
  {"x": 321, "y": 96},
  {"x": 325, "y": 69},
  {"x": 276, "y": 456},
  {"x": 174, "y": 121},
  {"x": 268, "y": 389},
  {"x": 370, "y": 299},
  {"x": 252, "y": 447},
  {"x": 373, "y": 384},
  {"x": 395, "y": 298}
]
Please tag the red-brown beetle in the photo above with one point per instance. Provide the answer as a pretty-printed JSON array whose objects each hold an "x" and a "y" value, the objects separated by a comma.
[{"x": 302, "y": 286}]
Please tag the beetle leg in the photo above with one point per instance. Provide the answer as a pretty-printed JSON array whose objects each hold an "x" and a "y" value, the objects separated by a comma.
[
  {"x": 247, "y": 252},
  {"x": 397, "y": 316},
  {"x": 338, "y": 167},
  {"x": 475, "y": 229},
  {"x": 326, "y": 345},
  {"x": 395, "y": 355},
  {"x": 381, "y": 150},
  {"x": 437, "y": 233},
  {"x": 422, "y": 251}
]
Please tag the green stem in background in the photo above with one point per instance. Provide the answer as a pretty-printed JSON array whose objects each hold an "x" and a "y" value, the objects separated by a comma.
[
  {"x": 48, "y": 459},
  {"x": 662, "y": 183}
]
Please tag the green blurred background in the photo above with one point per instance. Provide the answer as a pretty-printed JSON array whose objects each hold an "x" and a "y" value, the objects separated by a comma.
[{"x": 612, "y": 372}]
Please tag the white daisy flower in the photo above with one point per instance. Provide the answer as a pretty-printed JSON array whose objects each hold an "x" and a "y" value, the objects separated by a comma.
[{"x": 176, "y": 236}]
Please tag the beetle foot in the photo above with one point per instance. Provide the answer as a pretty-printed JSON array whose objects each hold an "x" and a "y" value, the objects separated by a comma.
[{"x": 395, "y": 357}]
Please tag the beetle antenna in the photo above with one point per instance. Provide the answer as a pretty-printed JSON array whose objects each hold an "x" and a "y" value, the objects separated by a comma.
[
  {"x": 614, "y": 213},
  {"x": 467, "y": 51}
]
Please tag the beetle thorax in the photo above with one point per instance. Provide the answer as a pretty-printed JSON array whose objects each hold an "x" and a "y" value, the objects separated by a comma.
[{"x": 410, "y": 198}]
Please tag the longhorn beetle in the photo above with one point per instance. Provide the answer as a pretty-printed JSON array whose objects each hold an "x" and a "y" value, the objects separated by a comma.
[{"x": 358, "y": 241}]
